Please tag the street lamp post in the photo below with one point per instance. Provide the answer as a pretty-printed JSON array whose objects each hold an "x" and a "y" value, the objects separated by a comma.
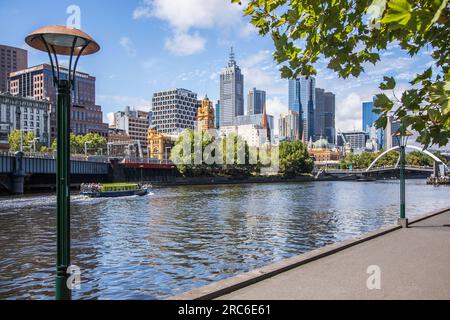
[
  {"x": 34, "y": 144},
  {"x": 85, "y": 147},
  {"x": 61, "y": 40},
  {"x": 402, "y": 138}
]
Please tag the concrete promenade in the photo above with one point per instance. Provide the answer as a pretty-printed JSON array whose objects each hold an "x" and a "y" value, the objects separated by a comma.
[{"x": 414, "y": 263}]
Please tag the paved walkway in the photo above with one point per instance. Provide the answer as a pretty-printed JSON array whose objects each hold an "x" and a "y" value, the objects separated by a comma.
[{"x": 414, "y": 264}]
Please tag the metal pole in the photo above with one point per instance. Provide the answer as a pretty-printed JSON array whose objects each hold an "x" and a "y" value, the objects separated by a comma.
[
  {"x": 63, "y": 190},
  {"x": 402, "y": 183}
]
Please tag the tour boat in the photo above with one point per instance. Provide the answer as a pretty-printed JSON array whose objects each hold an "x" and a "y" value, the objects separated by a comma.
[{"x": 113, "y": 190}]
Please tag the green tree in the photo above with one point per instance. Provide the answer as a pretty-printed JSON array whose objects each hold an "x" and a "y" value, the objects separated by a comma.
[
  {"x": 96, "y": 142},
  {"x": 351, "y": 33},
  {"x": 14, "y": 140},
  {"x": 219, "y": 164},
  {"x": 295, "y": 159}
]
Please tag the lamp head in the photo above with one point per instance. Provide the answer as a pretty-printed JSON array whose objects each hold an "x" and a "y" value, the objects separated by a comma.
[
  {"x": 62, "y": 39},
  {"x": 402, "y": 137}
]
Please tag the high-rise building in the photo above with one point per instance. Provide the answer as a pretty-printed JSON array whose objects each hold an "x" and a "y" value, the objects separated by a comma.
[
  {"x": 325, "y": 116},
  {"x": 174, "y": 110},
  {"x": 288, "y": 125},
  {"x": 37, "y": 82},
  {"x": 369, "y": 117},
  {"x": 217, "y": 110},
  {"x": 135, "y": 123},
  {"x": 231, "y": 92},
  {"x": 256, "y": 101},
  {"x": 205, "y": 116},
  {"x": 392, "y": 127},
  {"x": 11, "y": 60},
  {"x": 302, "y": 99},
  {"x": 24, "y": 114}
]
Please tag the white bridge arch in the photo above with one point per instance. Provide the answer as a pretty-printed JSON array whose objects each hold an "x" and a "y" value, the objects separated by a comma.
[{"x": 428, "y": 153}]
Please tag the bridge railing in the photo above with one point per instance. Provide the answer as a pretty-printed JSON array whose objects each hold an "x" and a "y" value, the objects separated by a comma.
[
  {"x": 146, "y": 161},
  {"x": 381, "y": 168}
]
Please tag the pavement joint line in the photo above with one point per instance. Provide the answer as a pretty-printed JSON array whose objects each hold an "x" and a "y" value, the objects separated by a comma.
[{"x": 229, "y": 285}]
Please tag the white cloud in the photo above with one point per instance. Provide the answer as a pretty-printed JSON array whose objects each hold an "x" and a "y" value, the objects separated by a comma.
[
  {"x": 128, "y": 46},
  {"x": 184, "y": 44},
  {"x": 185, "y": 15},
  {"x": 349, "y": 113},
  {"x": 109, "y": 118}
]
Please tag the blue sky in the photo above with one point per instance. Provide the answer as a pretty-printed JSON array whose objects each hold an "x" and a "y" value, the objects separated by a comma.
[{"x": 151, "y": 45}]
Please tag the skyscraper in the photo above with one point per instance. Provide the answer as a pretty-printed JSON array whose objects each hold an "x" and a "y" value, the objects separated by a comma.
[
  {"x": 231, "y": 92},
  {"x": 11, "y": 60},
  {"x": 368, "y": 120},
  {"x": 256, "y": 101},
  {"x": 217, "y": 111},
  {"x": 369, "y": 117},
  {"x": 325, "y": 116},
  {"x": 288, "y": 125},
  {"x": 302, "y": 99}
]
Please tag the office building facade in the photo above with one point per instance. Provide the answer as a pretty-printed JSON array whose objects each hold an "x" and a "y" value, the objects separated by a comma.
[
  {"x": 369, "y": 117},
  {"x": 37, "y": 82},
  {"x": 231, "y": 92},
  {"x": 174, "y": 110},
  {"x": 217, "y": 113},
  {"x": 26, "y": 115},
  {"x": 256, "y": 101},
  {"x": 11, "y": 60},
  {"x": 302, "y": 99},
  {"x": 135, "y": 123},
  {"x": 288, "y": 126},
  {"x": 325, "y": 116}
]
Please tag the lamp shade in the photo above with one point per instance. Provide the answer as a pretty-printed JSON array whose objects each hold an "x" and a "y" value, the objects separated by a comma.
[{"x": 62, "y": 39}]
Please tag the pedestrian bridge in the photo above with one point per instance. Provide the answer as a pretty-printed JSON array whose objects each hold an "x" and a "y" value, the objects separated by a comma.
[{"x": 379, "y": 169}]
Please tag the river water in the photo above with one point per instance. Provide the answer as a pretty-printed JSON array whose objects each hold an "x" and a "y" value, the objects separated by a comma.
[{"x": 179, "y": 238}]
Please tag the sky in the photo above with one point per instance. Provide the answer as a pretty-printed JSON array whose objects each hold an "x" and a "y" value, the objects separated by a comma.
[{"x": 153, "y": 45}]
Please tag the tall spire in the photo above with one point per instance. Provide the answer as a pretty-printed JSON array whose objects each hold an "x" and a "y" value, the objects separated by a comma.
[{"x": 232, "y": 61}]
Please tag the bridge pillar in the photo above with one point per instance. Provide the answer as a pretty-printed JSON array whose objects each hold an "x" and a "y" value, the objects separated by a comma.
[
  {"x": 18, "y": 174},
  {"x": 438, "y": 169}
]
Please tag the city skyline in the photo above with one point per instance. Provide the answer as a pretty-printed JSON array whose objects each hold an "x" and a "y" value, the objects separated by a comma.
[{"x": 203, "y": 45}]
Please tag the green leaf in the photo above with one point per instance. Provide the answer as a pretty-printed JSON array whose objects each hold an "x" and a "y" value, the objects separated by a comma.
[
  {"x": 399, "y": 11},
  {"x": 389, "y": 83},
  {"x": 420, "y": 77}
]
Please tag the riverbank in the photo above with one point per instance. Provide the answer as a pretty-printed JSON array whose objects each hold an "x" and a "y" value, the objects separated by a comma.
[{"x": 411, "y": 264}]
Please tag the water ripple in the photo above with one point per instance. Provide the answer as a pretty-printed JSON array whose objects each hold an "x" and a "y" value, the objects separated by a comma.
[{"x": 179, "y": 238}]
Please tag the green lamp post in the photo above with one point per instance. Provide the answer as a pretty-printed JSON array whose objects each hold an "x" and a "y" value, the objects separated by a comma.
[
  {"x": 66, "y": 41},
  {"x": 402, "y": 138}
]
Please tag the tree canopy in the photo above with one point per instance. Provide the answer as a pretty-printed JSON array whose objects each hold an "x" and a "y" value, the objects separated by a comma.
[
  {"x": 349, "y": 34},
  {"x": 28, "y": 139},
  {"x": 95, "y": 143}
]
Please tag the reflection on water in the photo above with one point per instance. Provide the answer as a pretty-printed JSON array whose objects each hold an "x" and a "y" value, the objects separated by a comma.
[{"x": 178, "y": 238}]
